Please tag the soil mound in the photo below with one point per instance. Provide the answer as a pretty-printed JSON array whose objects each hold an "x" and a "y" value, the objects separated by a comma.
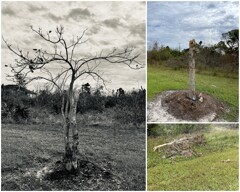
[
  {"x": 88, "y": 176},
  {"x": 181, "y": 106}
]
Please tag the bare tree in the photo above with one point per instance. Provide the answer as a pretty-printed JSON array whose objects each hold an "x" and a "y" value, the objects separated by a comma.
[
  {"x": 70, "y": 68},
  {"x": 192, "y": 45}
]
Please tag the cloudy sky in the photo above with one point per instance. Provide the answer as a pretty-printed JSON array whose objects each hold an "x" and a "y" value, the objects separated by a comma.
[
  {"x": 174, "y": 23},
  {"x": 110, "y": 25}
]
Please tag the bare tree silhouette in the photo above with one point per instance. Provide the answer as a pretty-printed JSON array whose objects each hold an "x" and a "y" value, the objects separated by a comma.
[{"x": 70, "y": 67}]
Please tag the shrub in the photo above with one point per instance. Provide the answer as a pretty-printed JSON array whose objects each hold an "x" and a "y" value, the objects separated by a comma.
[{"x": 15, "y": 105}]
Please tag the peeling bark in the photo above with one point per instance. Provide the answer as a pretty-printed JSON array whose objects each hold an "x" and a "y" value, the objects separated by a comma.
[
  {"x": 192, "y": 93},
  {"x": 69, "y": 110}
]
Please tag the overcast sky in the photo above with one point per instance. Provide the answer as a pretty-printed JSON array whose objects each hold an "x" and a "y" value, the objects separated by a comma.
[
  {"x": 110, "y": 25},
  {"x": 171, "y": 23}
]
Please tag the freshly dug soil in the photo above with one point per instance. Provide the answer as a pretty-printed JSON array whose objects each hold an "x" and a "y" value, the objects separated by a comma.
[{"x": 181, "y": 106}]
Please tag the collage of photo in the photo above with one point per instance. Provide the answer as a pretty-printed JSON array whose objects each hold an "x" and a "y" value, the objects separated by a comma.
[{"x": 120, "y": 95}]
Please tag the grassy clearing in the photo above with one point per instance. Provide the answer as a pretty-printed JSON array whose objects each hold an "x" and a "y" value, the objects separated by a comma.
[
  {"x": 223, "y": 88},
  {"x": 29, "y": 148},
  {"x": 207, "y": 172}
]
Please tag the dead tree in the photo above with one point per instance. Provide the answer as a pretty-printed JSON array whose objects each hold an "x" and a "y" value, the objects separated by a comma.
[
  {"x": 192, "y": 93},
  {"x": 35, "y": 65}
]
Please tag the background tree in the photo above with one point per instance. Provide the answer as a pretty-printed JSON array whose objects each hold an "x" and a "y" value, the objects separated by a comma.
[
  {"x": 231, "y": 39},
  {"x": 70, "y": 67}
]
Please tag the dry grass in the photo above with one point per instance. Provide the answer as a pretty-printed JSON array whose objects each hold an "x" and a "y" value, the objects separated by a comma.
[{"x": 27, "y": 149}]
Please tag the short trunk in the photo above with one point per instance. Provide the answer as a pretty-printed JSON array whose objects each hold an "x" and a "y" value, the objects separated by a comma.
[{"x": 71, "y": 139}]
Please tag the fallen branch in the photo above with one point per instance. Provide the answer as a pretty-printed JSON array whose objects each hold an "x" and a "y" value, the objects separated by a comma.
[
  {"x": 196, "y": 139},
  {"x": 182, "y": 147}
]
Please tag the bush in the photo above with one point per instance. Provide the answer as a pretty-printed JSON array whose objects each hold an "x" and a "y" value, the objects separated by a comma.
[
  {"x": 131, "y": 108},
  {"x": 165, "y": 130},
  {"x": 15, "y": 105},
  {"x": 88, "y": 102}
]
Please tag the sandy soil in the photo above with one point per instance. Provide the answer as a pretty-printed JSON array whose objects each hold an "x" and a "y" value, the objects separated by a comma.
[{"x": 174, "y": 106}]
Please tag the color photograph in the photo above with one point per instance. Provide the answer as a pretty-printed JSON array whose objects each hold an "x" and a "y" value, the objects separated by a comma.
[
  {"x": 193, "y": 157},
  {"x": 192, "y": 61}
]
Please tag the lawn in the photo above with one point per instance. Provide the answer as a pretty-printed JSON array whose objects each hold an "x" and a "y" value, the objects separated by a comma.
[
  {"x": 27, "y": 149},
  {"x": 207, "y": 172},
  {"x": 223, "y": 88}
]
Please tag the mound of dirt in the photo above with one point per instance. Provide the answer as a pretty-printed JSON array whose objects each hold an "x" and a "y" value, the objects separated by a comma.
[
  {"x": 175, "y": 106},
  {"x": 181, "y": 106},
  {"x": 88, "y": 176}
]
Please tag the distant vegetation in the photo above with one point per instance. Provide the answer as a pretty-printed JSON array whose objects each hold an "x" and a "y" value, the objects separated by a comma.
[
  {"x": 221, "y": 57},
  {"x": 155, "y": 130},
  {"x": 21, "y": 105}
]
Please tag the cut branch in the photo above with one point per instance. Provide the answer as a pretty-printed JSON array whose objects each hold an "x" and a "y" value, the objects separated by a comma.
[{"x": 196, "y": 139}]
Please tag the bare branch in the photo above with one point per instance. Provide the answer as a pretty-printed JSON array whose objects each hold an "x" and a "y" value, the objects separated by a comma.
[{"x": 74, "y": 68}]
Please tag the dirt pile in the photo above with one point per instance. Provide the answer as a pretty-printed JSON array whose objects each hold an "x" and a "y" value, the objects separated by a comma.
[
  {"x": 181, "y": 106},
  {"x": 88, "y": 176},
  {"x": 54, "y": 177}
]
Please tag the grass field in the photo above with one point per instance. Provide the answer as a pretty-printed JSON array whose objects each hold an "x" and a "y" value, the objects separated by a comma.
[
  {"x": 28, "y": 148},
  {"x": 207, "y": 172},
  {"x": 223, "y": 88}
]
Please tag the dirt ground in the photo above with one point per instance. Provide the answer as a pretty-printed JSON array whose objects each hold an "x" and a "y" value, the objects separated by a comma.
[
  {"x": 176, "y": 106},
  {"x": 111, "y": 158}
]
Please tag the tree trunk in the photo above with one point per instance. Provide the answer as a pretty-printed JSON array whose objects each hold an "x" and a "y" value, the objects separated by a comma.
[
  {"x": 192, "y": 93},
  {"x": 69, "y": 119}
]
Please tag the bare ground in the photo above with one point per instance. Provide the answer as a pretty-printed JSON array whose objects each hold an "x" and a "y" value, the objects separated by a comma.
[{"x": 175, "y": 106}]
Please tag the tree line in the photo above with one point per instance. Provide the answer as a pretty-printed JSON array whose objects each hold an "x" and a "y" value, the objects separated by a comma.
[
  {"x": 18, "y": 102},
  {"x": 223, "y": 55}
]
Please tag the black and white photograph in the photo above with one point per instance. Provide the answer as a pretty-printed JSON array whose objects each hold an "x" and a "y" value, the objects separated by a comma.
[{"x": 73, "y": 95}]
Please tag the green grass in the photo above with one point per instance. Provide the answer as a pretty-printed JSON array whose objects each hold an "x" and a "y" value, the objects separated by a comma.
[
  {"x": 207, "y": 172},
  {"x": 223, "y": 88},
  {"x": 29, "y": 148}
]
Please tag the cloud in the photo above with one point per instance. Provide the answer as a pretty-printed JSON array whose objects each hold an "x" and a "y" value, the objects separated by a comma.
[
  {"x": 211, "y": 6},
  {"x": 174, "y": 23},
  {"x": 109, "y": 24},
  {"x": 8, "y": 11},
  {"x": 113, "y": 23},
  {"x": 138, "y": 29},
  {"x": 53, "y": 17},
  {"x": 79, "y": 13},
  {"x": 34, "y": 8},
  {"x": 103, "y": 42},
  {"x": 94, "y": 29}
]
